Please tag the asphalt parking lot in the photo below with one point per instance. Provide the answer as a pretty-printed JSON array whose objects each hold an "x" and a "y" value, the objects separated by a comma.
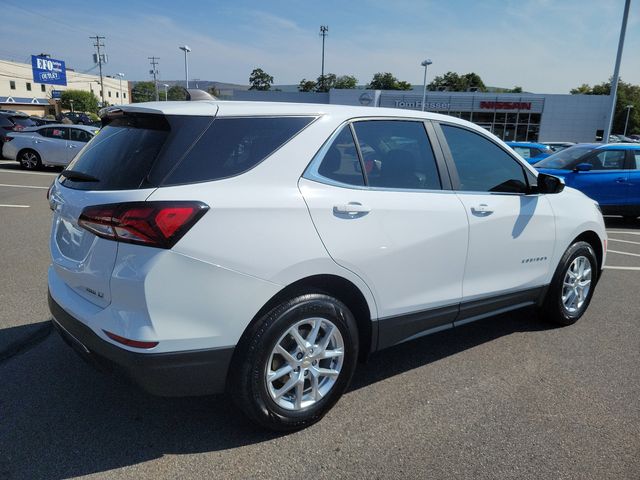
[{"x": 507, "y": 397}]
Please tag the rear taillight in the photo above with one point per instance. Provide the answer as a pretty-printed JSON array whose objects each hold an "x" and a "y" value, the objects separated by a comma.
[
  {"x": 156, "y": 224},
  {"x": 7, "y": 139}
]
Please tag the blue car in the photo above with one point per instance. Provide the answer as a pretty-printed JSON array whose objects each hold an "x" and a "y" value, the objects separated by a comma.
[
  {"x": 610, "y": 174},
  {"x": 531, "y": 152}
]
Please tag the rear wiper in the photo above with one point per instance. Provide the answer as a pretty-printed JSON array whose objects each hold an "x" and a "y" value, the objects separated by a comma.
[{"x": 79, "y": 176}]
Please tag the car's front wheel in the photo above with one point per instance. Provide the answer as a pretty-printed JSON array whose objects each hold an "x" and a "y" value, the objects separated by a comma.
[
  {"x": 295, "y": 362},
  {"x": 572, "y": 286},
  {"x": 30, "y": 160}
]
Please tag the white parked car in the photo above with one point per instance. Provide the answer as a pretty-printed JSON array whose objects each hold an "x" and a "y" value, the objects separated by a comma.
[
  {"x": 49, "y": 145},
  {"x": 253, "y": 248}
]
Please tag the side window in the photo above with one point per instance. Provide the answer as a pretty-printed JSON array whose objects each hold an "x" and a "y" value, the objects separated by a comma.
[
  {"x": 524, "y": 152},
  {"x": 231, "y": 146},
  {"x": 340, "y": 163},
  {"x": 78, "y": 135},
  {"x": 397, "y": 154},
  {"x": 55, "y": 132},
  {"x": 607, "y": 160},
  {"x": 636, "y": 155},
  {"x": 482, "y": 165}
]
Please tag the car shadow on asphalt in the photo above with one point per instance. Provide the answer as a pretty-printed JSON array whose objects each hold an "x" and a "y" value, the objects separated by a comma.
[
  {"x": 60, "y": 418},
  {"x": 619, "y": 222}
]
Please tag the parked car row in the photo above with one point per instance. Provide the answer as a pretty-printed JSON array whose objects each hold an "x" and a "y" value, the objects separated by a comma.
[{"x": 50, "y": 145}]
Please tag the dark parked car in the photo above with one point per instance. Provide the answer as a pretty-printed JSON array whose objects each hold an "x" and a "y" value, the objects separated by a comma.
[
  {"x": 39, "y": 121},
  {"x": 78, "y": 118},
  {"x": 11, "y": 122}
]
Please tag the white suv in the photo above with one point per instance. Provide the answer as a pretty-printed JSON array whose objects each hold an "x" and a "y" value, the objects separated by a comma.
[{"x": 263, "y": 248}]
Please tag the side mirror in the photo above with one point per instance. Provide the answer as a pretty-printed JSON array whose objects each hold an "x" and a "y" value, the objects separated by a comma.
[
  {"x": 549, "y": 183},
  {"x": 582, "y": 167}
]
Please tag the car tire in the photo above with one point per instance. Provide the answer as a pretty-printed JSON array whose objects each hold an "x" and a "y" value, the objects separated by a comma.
[
  {"x": 572, "y": 286},
  {"x": 30, "y": 160},
  {"x": 283, "y": 383}
]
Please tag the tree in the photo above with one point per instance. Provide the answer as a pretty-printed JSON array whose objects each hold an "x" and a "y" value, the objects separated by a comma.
[
  {"x": 143, "y": 92},
  {"x": 82, "y": 100},
  {"x": 386, "y": 81},
  {"x": 176, "y": 93},
  {"x": 346, "y": 82},
  {"x": 628, "y": 94},
  {"x": 326, "y": 82},
  {"x": 260, "y": 80},
  {"x": 214, "y": 91},
  {"x": 516, "y": 89},
  {"x": 306, "y": 85},
  {"x": 453, "y": 82}
]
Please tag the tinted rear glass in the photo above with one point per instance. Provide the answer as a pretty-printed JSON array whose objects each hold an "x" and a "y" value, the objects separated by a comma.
[
  {"x": 565, "y": 158},
  {"x": 122, "y": 154},
  {"x": 231, "y": 146},
  {"x": 23, "y": 121}
]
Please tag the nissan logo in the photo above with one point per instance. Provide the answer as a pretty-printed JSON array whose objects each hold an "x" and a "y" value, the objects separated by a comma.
[{"x": 366, "y": 98}]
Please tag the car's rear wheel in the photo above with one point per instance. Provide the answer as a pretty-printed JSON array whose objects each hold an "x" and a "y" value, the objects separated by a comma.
[
  {"x": 30, "y": 160},
  {"x": 295, "y": 362},
  {"x": 572, "y": 286}
]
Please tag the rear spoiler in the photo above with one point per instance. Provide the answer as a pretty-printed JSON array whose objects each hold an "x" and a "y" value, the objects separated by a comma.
[{"x": 192, "y": 94}]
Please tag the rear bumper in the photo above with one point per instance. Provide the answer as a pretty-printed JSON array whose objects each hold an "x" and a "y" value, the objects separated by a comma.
[{"x": 173, "y": 374}]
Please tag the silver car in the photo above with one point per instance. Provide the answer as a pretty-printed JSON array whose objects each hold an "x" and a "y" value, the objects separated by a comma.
[{"x": 46, "y": 145}]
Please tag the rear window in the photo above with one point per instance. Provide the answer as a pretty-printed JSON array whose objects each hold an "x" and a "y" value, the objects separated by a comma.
[
  {"x": 122, "y": 154},
  {"x": 145, "y": 151},
  {"x": 231, "y": 146},
  {"x": 23, "y": 121}
]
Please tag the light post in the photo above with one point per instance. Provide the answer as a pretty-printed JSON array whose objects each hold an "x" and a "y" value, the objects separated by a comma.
[
  {"x": 186, "y": 50},
  {"x": 626, "y": 122},
  {"x": 166, "y": 92},
  {"x": 425, "y": 64},
  {"x": 616, "y": 72},
  {"x": 120, "y": 76}
]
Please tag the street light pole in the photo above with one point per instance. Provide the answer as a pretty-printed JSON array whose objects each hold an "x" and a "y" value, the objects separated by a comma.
[
  {"x": 425, "y": 64},
  {"x": 186, "y": 50},
  {"x": 616, "y": 71},
  {"x": 166, "y": 92},
  {"x": 626, "y": 122},
  {"x": 120, "y": 75}
]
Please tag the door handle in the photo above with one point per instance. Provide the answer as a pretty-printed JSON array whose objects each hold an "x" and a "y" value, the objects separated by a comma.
[
  {"x": 351, "y": 208},
  {"x": 72, "y": 146},
  {"x": 620, "y": 180},
  {"x": 37, "y": 141},
  {"x": 481, "y": 210}
]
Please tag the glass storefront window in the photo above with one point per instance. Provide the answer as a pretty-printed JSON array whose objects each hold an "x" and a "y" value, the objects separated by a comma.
[
  {"x": 500, "y": 117},
  {"x": 512, "y": 117},
  {"x": 521, "y": 133},
  {"x": 509, "y": 132}
]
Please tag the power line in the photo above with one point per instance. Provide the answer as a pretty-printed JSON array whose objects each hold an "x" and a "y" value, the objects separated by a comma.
[
  {"x": 154, "y": 72},
  {"x": 99, "y": 44}
]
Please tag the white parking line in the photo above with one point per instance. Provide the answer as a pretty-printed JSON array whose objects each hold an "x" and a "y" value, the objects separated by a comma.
[
  {"x": 623, "y": 241},
  {"x": 607, "y": 267},
  {"x": 22, "y": 186},
  {"x": 623, "y": 232},
  {"x": 624, "y": 253},
  {"x": 15, "y": 206},
  {"x": 21, "y": 172}
]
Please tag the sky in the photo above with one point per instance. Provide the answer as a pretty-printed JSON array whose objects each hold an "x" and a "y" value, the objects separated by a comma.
[{"x": 544, "y": 46}]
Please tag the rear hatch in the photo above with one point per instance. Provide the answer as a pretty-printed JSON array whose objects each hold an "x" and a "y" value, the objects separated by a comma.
[{"x": 125, "y": 162}]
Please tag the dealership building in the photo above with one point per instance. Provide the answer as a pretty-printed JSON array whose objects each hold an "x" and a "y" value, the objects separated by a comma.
[
  {"x": 21, "y": 89},
  {"x": 511, "y": 116}
]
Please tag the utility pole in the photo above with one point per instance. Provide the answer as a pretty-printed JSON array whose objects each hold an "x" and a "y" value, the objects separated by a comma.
[
  {"x": 100, "y": 59},
  {"x": 616, "y": 71},
  {"x": 154, "y": 72},
  {"x": 324, "y": 31}
]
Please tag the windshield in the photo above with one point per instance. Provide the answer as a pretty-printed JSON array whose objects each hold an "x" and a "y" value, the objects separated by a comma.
[{"x": 564, "y": 158}]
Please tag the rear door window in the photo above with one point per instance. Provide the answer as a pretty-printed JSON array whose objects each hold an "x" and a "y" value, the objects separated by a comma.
[
  {"x": 55, "y": 132},
  {"x": 397, "y": 154},
  {"x": 231, "y": 146}
]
